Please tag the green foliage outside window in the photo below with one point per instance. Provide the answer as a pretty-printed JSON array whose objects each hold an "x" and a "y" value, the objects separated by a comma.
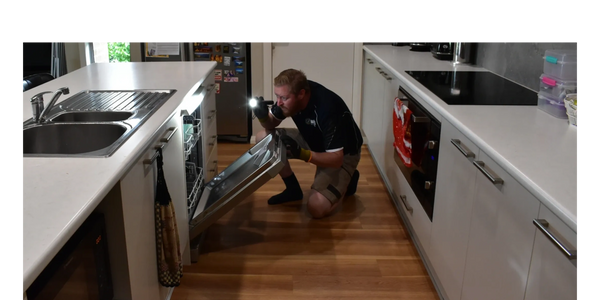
[{"x": 119, "y": 52}]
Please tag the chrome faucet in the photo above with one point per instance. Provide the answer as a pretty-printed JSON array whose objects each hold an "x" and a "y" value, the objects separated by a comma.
[{"x": 37, "y": 104}]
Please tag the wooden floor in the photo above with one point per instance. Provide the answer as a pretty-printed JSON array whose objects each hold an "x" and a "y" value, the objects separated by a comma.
[{"x": 258, "y": 251}]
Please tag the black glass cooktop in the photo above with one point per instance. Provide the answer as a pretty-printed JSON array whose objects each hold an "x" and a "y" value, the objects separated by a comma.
[{"x": 474, "y": 88}]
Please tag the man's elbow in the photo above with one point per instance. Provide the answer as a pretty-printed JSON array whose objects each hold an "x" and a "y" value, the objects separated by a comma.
[{"x": 339, "y": 161}]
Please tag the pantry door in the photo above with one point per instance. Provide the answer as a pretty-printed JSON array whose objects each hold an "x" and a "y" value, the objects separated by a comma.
[{"x": 337, "y": 66}]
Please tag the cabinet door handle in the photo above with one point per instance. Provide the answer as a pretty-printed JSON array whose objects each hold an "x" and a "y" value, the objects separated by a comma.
[
  {"x": 466, "y": 152},
  {"x": 406, "y": 206},
  {"x": 492, "y": 177},
  {"x": 166, "y": 140},
  {"x": 543, "y": 225}
]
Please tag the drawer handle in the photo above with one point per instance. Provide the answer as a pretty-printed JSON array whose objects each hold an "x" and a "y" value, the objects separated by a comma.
[
  {"x": 408, "y": 208},
  {"x": 213, "y": 141},
  {"x": 215, "y": 166},
  {"x": 149, "y": 161},
  {"x": 466, "y": 152},
  {"x": 210, "y": 88},
  {"x": 370, "y": 61},
  {"x": 543, "y": 225},
  {"x": 213, "y": 112},
  {"x": 495, "y": 180}
]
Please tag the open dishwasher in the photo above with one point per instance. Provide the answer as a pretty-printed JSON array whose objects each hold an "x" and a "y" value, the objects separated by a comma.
[{"x": 212, "y": 200}]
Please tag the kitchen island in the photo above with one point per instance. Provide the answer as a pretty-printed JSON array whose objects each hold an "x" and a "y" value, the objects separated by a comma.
[{"x": 59, "y": 193}]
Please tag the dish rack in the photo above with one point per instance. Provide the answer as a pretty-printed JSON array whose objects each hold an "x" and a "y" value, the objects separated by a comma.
[
  {"x": 191, "y": 136},
  {"x": 194, "y": 181},
  {"x": 571, "y": 106},
  {"x": 194, "y": 174}
]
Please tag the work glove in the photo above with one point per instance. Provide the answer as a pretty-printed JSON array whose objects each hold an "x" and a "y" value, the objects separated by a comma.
[
  {"x": 294, "y": 150},
  {"x": 261, "y": 110}
]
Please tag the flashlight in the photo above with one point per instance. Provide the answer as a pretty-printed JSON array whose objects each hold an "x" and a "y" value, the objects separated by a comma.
[{"x": 255, "y": 102}]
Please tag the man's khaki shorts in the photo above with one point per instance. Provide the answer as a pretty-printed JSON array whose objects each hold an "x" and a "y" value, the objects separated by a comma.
[{"x": 330, "y": 182}]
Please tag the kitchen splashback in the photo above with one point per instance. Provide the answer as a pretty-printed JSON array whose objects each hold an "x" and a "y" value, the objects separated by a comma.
[{"x": 519, "y": 60}]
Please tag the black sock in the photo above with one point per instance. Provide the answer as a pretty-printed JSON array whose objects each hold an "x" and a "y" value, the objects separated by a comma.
[
  {"x": 292, "y": 192},
  {"x": 351, "y": 189}
]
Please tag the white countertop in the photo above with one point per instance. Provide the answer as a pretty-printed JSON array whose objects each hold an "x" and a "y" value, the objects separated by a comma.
[
  {"x": 537, "y": 149},
  {"x": 60, "y": 193}
]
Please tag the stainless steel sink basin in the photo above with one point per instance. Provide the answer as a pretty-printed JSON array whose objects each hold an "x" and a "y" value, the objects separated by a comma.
[
  {"x": 91, "y": 123},
  {"x": 92, "y": 116},
  {"x": 69, "y": 139}
]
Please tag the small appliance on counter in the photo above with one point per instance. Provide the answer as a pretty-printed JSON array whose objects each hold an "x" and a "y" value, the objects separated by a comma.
[
  {"x": 420, "y": 47},
  {"x": 442, "y": 51},
  {"x": 400, "y": 42}
]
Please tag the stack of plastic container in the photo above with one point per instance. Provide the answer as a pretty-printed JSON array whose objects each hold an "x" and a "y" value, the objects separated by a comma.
[{"x": 558, "y": 80}]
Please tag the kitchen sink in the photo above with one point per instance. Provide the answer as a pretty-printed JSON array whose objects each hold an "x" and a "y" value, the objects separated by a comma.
[
  {"x": 71, "y": 139},
  {"x": 92, "y": 116},
  {"x": 91, "y": 123}
]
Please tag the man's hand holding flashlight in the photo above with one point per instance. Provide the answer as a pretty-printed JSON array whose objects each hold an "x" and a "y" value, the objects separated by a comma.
[{"x": 260, "y": 108}]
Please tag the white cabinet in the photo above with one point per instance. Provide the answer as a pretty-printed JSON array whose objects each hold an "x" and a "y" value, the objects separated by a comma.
[
  {"x": 380, "y": 88},
  {"x": 455, "y": 192},
  {"x": 372, "y": 107},
  {"x": 137, "y": 191},
  {"x": 552, "y": 276},
  {"x": 500, "y": 237},
  {"x": 209, "y": 136}
]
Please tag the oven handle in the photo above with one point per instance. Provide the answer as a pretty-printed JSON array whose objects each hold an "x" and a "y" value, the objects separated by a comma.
[{"x": 414, "y": 119}]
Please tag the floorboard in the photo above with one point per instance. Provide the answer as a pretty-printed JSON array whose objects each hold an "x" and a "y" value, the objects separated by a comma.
[{"x": 259, "y": 251}]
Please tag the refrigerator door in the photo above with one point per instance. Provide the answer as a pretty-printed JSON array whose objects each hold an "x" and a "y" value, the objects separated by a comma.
[
  {"x": 240, "y": 179},
  {"x": 233, "y": 80}
]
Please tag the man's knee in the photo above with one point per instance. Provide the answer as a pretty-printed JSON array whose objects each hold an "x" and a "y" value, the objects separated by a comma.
[{"x": 318, "y": 205}]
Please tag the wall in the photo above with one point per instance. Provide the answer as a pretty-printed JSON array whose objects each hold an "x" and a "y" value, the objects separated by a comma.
[
  {"x": 520, "y": 62},
  {"x": 257, "y": 60}
]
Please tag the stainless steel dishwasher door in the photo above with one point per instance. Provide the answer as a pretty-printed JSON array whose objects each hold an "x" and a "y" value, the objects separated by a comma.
[{"x": 240, "y": 179}]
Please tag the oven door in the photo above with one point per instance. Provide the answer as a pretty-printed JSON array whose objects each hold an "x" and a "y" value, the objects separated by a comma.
[
  {"x": 240, "y": 179},
  {"x": 424, "y": 131}
]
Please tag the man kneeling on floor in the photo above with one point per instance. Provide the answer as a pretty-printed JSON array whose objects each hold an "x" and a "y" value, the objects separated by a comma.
[{"x": 326, "y": 136}]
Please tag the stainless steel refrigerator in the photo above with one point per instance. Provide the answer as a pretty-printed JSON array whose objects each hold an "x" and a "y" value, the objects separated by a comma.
[{"x": 232, "y": 77}]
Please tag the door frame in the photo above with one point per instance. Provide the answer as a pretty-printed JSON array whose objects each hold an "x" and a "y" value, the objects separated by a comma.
[{"x": 357, "y": 77}]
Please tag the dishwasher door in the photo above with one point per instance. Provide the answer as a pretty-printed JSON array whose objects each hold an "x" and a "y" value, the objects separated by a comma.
[{"x": 240, "y": 179}]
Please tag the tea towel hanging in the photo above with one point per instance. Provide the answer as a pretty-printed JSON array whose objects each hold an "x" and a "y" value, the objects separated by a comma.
[{"x": 168, "y": 252}]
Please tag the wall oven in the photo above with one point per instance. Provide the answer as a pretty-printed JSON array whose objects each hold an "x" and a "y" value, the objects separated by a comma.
[{"x": 421, "y": 136}]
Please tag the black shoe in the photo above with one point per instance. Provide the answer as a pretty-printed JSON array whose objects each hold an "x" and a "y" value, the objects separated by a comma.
[
  {"x": 286, "y": 196},
  {"x": 353, "y": 184}
]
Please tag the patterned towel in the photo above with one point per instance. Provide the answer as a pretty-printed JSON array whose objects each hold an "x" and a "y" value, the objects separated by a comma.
[
  {"x": 168, "y": 253},
  {"x": 402, "y": 132}
]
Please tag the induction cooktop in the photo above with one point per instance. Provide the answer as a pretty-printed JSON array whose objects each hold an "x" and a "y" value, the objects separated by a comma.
[{"x": 474, "y": 88}]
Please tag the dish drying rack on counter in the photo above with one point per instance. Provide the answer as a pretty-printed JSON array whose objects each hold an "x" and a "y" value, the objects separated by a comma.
[{"x": 194, "y": 174}]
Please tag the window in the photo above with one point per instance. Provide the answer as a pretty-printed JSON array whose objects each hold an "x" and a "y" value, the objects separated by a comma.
[{"x": 111, "y": 52}]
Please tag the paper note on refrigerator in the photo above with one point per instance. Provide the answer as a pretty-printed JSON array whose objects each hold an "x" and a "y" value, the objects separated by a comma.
[{"x": 166, "y": 48}]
